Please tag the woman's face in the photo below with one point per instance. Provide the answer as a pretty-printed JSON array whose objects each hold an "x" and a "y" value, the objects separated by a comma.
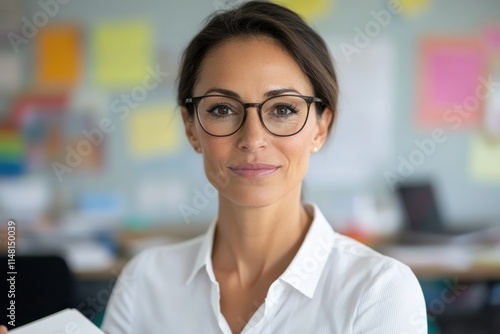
[{"x": 252, "y": 167}]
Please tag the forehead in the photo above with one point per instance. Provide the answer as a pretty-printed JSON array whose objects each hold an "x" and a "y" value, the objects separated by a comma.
[{"x": 251, "y": 65}]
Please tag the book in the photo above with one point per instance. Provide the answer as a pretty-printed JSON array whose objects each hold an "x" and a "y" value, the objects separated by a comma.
[{"x": 68, "y": 321}]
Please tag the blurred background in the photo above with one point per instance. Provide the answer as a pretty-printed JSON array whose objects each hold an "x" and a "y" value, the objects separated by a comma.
[{"x": 94, "y": 164}]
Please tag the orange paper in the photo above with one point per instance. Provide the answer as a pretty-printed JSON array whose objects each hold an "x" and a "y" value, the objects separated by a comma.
[{"x": 58, "y": 56}]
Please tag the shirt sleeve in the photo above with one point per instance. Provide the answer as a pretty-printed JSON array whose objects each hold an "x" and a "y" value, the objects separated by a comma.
[
  {"x": 392, "y": 303},
  {"x": 119, "y": 312}
]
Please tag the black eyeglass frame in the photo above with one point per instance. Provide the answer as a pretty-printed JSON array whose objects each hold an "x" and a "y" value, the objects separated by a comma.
[{"x": 309, "y": 100}]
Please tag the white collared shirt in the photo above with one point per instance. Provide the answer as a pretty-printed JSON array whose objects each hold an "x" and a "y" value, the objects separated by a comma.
[{"x": 333, "y": 285}]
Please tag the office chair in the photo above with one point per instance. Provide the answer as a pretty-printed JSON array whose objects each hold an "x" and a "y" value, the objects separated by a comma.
[{"x": 43, "y": 285}]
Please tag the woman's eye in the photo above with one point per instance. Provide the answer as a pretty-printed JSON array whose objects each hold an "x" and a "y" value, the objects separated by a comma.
[
  {"x": 283, "y": 111},
  {"x": 221, "y": 111}
]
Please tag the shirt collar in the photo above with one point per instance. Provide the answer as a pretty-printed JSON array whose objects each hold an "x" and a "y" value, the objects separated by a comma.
[
  {"x": 204, "y": 256},
  {"x": 306, "y": 268}
]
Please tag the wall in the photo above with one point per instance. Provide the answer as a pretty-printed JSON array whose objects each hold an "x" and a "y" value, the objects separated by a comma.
[{"x": 174, "y": 22}]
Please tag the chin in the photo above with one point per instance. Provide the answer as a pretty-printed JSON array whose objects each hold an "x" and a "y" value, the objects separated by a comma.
[{"x": 251, "y": 198}]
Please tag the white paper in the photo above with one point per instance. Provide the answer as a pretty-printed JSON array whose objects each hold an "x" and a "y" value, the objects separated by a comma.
[
  {"x": 21, "y": 196},
  {"x": 157, "y": 196},
  {"x": 492, "y": 112},
  {"x": 10, "y": 69},
  {"x": 87, "y": 255},
  {"x": 444, "y": 256},
  {"x": 360, "y": 142},
  {"x": 65, "y": 321}
]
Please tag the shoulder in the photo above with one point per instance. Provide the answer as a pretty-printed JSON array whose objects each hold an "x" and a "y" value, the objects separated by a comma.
[
  {"x": 380, "y": 292},
  {"x": 349, "y": 262},
  {"x": 360, "y": 263},
  {"x": 355, "y": 254}
]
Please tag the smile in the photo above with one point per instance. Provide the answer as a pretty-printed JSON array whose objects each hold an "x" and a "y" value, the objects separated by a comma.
[{"x": 254, "y": 170}]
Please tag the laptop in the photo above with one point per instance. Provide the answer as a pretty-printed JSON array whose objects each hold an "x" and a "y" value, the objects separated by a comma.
[{"x": 424, "y": 223}]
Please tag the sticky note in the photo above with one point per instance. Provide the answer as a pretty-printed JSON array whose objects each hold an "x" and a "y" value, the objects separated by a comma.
[
  {"x": 450, "y": 74},
  {"x": 121, "y": 54},
  {"x": 58, "y": 56},
  {"x": 308, "y": 9},
  {"x": 154, "y": 131},
  {"x": 484, "y": 162},
  {"x": 413, "y": 7}
]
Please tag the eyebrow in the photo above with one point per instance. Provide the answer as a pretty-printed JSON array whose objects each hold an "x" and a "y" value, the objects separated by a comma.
[{"x": 270, "y": 93}]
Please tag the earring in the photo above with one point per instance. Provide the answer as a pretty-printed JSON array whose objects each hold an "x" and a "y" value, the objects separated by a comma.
[{"x": 315, "y": 149}]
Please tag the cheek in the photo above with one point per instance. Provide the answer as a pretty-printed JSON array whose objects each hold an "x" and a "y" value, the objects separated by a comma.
[{"x": 296, "y": 149}]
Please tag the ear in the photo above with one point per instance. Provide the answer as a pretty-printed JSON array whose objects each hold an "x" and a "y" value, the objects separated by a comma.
[
  {"x": 190, "y": 128},
  {"x": 322, "y": 125}
]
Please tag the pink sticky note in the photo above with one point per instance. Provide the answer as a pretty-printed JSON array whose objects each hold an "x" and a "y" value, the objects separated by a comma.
[
  {"x": 450, "y": 74},
  {"x": 453, "y": 75}
]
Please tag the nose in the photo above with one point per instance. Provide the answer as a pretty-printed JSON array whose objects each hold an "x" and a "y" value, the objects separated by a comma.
[{"x": 252, "y": 136}]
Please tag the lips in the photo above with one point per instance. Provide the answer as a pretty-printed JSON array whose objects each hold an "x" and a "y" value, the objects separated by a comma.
[{"x": 254, "y": 170}]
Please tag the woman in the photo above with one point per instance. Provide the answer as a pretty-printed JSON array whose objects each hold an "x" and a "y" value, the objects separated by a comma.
[{"x": 258, "y": 95}]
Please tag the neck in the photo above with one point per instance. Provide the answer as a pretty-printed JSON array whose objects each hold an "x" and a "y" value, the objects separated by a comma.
[{"x": 257, "y": 241}]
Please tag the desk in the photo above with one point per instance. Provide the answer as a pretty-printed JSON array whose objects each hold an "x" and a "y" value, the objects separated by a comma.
[
  {"x": 464, "y": 262},
  {"x": 109, "y": 273},
  {"x": 477, "y": 271}
]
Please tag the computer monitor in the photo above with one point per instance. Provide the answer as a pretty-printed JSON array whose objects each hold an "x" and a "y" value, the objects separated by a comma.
[{"x": 421, "y": 208}]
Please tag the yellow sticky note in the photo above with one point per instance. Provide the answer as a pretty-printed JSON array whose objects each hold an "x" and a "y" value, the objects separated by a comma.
[
  {"x": 484, "y": 162},
  {"x": 122, "y": 54},
  {"x": 154, "y": 131},
  {"x": 413, "y": 7},
  {"x": 308, "y": 9}
]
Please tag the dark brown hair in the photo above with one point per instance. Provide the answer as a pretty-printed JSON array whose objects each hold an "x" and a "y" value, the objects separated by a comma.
[{"x": 257, "y": 18}]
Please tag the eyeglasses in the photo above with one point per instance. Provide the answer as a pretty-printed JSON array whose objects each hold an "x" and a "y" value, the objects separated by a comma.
[{"x": 222, "y": 116}]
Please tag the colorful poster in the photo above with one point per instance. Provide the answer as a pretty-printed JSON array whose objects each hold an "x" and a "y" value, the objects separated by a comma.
[
  {"x": 484, "y": 161},
  {"x": 41, "y": 120},
  {"x": 12, "y": 150},
  {"x": 122, "y": 52},
  {"x": 452, "y": 72},
  {"x": 58, "y": 56}
]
